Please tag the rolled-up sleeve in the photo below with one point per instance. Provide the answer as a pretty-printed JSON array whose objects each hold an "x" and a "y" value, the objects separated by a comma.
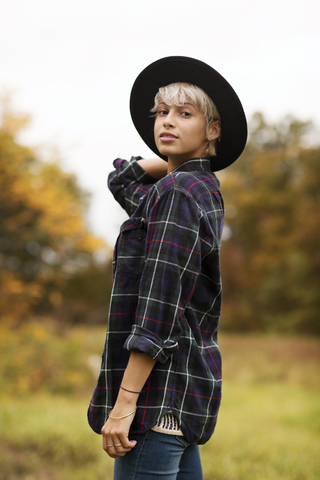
[
  {"x": 128, "y": 183},
  {"x": 146, "y": 341},
  {"x": 173, "y": 263}
]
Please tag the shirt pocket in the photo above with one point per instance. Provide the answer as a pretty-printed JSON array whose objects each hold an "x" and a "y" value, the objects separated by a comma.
[{"x": 129, "y": 254}]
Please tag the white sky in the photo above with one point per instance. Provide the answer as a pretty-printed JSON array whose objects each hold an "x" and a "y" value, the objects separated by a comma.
[{"x": 71, "y": 65}]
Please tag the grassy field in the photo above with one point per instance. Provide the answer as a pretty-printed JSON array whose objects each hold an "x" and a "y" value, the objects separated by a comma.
[{"x": 268, "y": 427}]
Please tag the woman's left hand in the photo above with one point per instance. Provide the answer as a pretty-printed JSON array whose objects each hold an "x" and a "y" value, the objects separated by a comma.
[
  {"x": 115, "y": 434},
  {"x": 115, "y": 431}
]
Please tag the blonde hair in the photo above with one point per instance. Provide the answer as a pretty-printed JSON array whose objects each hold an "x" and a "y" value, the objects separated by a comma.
[{"x": 178, "y": 94}]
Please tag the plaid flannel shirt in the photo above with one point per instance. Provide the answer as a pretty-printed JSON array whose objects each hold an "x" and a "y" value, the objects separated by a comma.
[{"x": 166, "y": 297}]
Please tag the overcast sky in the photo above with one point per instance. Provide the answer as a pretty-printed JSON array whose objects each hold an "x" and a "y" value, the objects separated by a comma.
[{"x": 72, "y": 63}]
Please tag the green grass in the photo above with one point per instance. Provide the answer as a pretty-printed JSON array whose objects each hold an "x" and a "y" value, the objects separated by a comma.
[
  {"x": 265, "y": 432},
  {"x": 47, "y": 437},
  {"x": 268, "y": 426}
]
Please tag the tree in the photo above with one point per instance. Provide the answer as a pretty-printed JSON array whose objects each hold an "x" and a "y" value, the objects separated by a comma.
[
  {"x": 271, "y": 258},
  {"x": 43, "y": 233}
]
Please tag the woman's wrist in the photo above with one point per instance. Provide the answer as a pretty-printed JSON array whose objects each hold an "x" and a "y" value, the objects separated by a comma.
[
  {"x": 130, "y": 391},
  {"x": 121, "y": 417},
  {"x": 126, "y": 400},
  {"x": 138, "y": 370}
]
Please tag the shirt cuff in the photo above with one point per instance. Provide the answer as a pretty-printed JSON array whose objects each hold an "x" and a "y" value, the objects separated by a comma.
[
  {"x": 130, "y": 171},
  {"x": 145, "y": 341}
]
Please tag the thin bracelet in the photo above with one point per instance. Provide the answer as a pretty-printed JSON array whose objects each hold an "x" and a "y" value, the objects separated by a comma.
[
  {"x": 130, "y": 391},
  {"x": 124, "y": 416}
]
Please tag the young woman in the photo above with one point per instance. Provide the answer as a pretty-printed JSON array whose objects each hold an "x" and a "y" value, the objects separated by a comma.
[{"x": 159, "y": 389}]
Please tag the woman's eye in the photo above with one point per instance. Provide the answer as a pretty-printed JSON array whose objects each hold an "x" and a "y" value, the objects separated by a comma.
[
  {"x": 186, "y": 114},
  {"x": 162, "y": 112}
]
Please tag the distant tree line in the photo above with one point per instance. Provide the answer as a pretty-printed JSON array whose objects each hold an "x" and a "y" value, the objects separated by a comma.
[
  {"x": 270, "y": 252},
  {"x": 45, "y": 244}
]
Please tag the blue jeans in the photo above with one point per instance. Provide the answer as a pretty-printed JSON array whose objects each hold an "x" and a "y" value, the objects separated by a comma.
[{"x": 159, "y": 456}]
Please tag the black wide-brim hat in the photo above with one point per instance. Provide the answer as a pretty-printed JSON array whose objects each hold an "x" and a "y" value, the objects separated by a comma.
[{"x": 189, "y": 70}]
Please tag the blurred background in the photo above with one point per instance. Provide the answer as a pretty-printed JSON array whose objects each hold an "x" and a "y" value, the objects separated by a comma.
[{"x": 66, "y": 71}]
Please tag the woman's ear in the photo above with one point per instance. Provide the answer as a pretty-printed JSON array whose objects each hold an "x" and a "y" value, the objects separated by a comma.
[{"x": 214, "y": 130}]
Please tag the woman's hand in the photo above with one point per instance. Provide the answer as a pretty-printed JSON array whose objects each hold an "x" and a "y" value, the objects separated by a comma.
[
  {"x": 155, "y": 167},
  {"x": 115, "y": 433}
]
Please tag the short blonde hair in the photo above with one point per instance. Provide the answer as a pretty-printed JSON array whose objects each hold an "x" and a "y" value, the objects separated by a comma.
[{"x": 178, "y": 94}]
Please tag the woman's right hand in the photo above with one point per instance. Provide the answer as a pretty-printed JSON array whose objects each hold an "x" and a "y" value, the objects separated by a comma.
[{"x": 155, "y": 167}]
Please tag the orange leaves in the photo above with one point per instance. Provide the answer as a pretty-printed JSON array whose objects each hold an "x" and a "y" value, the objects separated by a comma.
[
  {"x": 271, "y": 261},
  {"x": 17, "y": 298},
  {"x": 42, "y": 226}
]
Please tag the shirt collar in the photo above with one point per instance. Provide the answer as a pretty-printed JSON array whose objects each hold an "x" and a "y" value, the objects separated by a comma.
[{"x": 194, "y": 164}]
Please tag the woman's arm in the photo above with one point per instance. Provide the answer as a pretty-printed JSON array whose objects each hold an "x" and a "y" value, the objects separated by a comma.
[
  {"x": 155, "y": 167},
  {"x": 115, "y": 432},
  {"x": 130, "y": 180}
]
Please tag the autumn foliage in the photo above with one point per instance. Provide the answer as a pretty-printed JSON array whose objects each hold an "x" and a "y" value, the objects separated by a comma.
[
  {"x": 43, "y": 234},
  {"x": 271, "y": 254}
]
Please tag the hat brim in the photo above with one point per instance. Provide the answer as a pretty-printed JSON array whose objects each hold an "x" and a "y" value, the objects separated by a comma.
[{"x": 189, "y": 70}]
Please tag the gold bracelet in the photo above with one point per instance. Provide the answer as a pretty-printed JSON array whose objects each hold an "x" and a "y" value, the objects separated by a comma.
[{"x": 124, "y": 416}]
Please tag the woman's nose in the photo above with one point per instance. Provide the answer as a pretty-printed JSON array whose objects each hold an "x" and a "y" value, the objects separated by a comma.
[{"x": 168, "y": 121}]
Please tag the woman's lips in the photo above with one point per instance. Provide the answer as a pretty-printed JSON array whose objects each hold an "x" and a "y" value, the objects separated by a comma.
[{"x": 167, "y": 137}]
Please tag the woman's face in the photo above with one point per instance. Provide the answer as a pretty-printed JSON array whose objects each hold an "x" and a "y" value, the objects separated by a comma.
[{"x": 180, "y": 132}]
